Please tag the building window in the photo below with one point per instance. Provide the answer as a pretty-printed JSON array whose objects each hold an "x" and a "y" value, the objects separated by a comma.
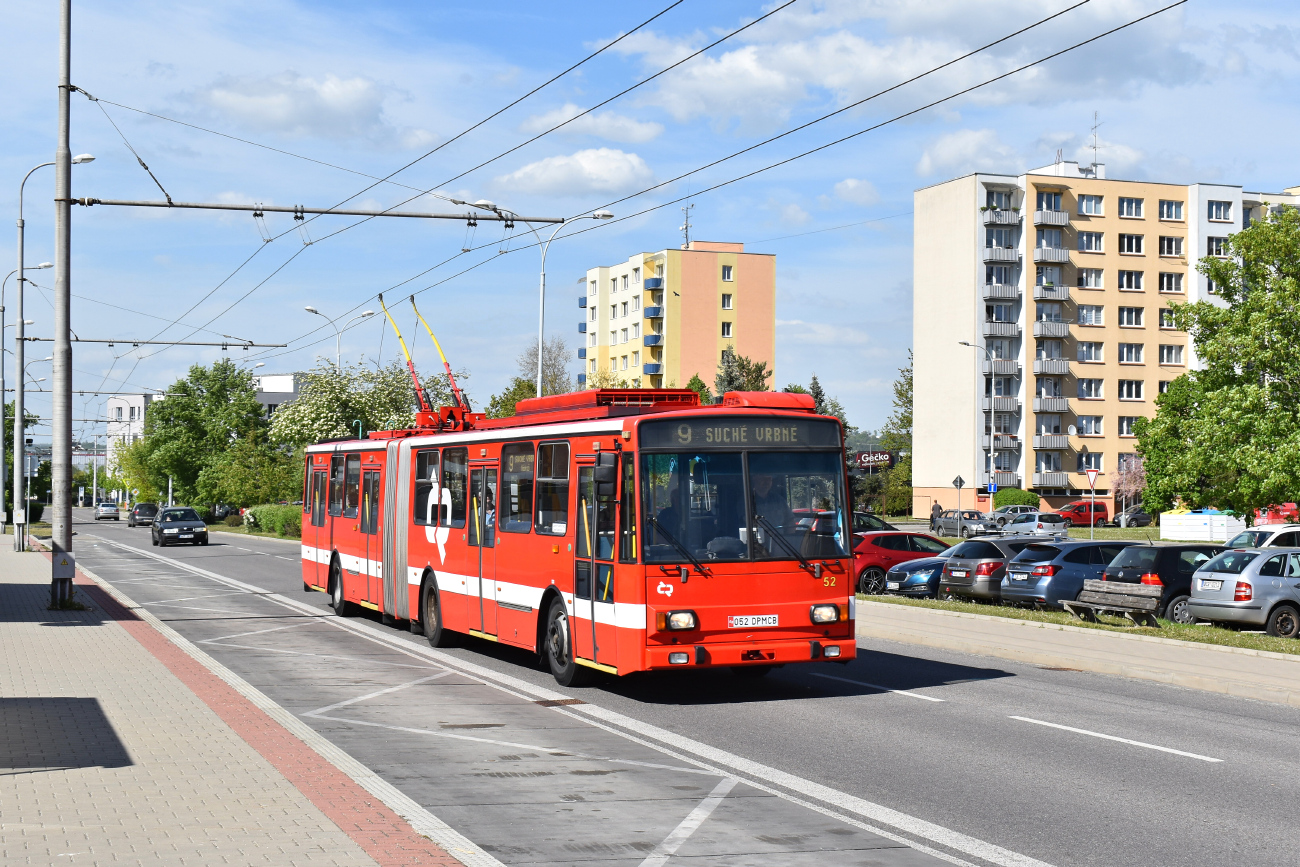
[
  {"x": 1090, "y": 205},
  {"x": 1000, "y": 312},
  {"x": 726, "y": 273},
  {"x": 624, "y": 336},
  {"x": 1126, "y": 423},
  {"x": 1131, "y": 244},
  {"x": 1090, "y": 242},
  {"x": 1049, "y": 424},
  {"x": 636, "y": 359},
  {"x": 1090, "y": 389},
  {"x": 999, "y": 347},
  {"x": 1219, "y": 212},
  {"x": 1047, "y": 275},
  {"x": 1170, "y": 354},
  {"x": 1216, "y": 247},
  {"x": 636, "y": 330},
  {"x": 1000, "y": 237},
  {"x": 726, "y": 329},
  {"x": 1130, "y": 389},
  {"x": 636, "y": 275},
  {"x": 623, "y": 311},
  {"x": 1045, "y": 350},
  {"x": 1048, "y": 238},
  {"x": 636, "y": 302},
  {"x": 1089, "y": 461},
  {"x": 1049, "y": 201},
  {"x": 593, "y": 365},
  {"x": 1089, "y": 351},
  {"x": 613, "y": 338},
  {"x": 997, "y": 199},
  {"x": 624, "y": 361},
  {"x": 726, "y": 301},
  {"x": 1090, "y": 278},
  {"x": 1170, "y": 246},
  {"x": 659, "y": 270},
  {"x": 624, "y": 281},
  {"x": 1048, "y": 386},
  {"x": 1004, "y": 423},
  {"x": 1130, "y": 353},
  {"x": 592, "y": 289},
  {"x": 1163, "y": 386},
  {"x": 119, "y": 414},
  {"x": 613, "y": 311},
  {"x": 591, "y": 339},
  {"x": 1047, "y": 462},
  {"x": 1000, "y": 386},
  {"x": 1130, "y": 207},
  {"x": 1089, "y": 426},
  {"x": 1167, "y": 319},
  {"x": 1171, "y": 210},
  {"x": 591, "y": 314},
  {"x": 613, "y": 284},
  {"x": 1130, "y": 281},
  {"x": 1091, "y": 314},
  {"x": 1047, "y": 311},
  {"x": 1130, "y": 317},
  {"x": 1211, "y": 287},
  {"x": 1000, "y": 275},
  {"x": 1170, "y": 282}
]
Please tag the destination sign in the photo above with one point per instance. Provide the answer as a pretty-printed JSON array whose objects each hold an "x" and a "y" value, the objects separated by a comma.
[{"x": 740, "y": 433}]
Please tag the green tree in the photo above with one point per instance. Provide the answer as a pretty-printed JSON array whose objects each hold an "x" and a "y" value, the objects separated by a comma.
[
  {"x": 6, "y": 484},
  {"x": 1228, "y": 434},
  {"x": 738, "y": 373},
  {"x": 503, "y": 405},
  {"x": 896, "y": 436},
  {"x": 698, "y": 386},
  {"x": 251, "y": 471},
  {"x": 556, "y": 356}
]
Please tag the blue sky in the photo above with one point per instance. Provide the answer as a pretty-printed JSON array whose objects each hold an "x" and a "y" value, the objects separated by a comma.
[{"x": 1204, "y": 92}]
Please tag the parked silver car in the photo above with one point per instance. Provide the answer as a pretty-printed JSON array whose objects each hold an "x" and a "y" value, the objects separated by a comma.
[
  {"x": 964, "y": 523},
  {"x": 1250, "y": 587},
  {"x": 976, "y": 567},
  {"x": 1267, "y": 536},
  {"x": 1005, "y": 514},
  {"x": 1036, "y": 524}
]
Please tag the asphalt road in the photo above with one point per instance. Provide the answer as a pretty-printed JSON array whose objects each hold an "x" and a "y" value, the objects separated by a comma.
[{"x": 964, "y": 759}]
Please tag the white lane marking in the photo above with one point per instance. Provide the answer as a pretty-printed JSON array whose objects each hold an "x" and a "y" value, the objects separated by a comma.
[
  {"x": 688, "y": 749},
  {"x": 219, "y": 643},
  {"x": 290, "y": 559},
  {"x": 1039, "y": 722},
  {"x": 197, "y": 608},
  {"x": 376, "y": 694},
  {"x": 192, "y": 598},
  {"x": 878, "y": 687},
  {"x": 661, "y": 853}
]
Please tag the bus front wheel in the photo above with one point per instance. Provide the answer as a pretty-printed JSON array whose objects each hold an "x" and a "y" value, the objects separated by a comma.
[
  {"x": 338, "y": 601},
  {"x": 559, "y": 648}
]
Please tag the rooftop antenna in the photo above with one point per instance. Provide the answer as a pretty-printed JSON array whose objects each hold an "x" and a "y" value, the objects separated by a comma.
[
  {"x": 410, "y": 365},
  {"x": 686, "y": 226},
  {"x": 1096, "y": 123},
  {"x": 1059, "y": 156},
  {"x": 455, "y": 389}
]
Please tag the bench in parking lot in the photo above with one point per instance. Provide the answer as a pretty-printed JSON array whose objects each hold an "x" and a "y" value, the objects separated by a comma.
[{"x": 1137, "y": 602}]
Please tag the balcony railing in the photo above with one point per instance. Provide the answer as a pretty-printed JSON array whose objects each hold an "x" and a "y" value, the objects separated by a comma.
[
  {"x": 652, "y": 340},
  {"x": 582, "y": 352},
  {"x": 1003, "y": 479},
  {"x": 582, "y": 328},
  {"x": 1051, "y": 404},
  {"x": 1051, "y": 328},
  {"x": 1052, "y": 293},
  {"x": 652, "y": 369},
  {"x": 1000, "y": 404},
  {"x": 1051, "y": 218},
  {"x": 1000, "y": 367},
  {"x": 1043, "y": 366},
  {"x": 1051, "y": 254},
  {"x": 1001, "y": 254},
  {"x": 654, "y": 283},
  {"x": 1051, "y": 441},
  {"x": 582, "y": 300},
  {"x": 654, "y": 313},
  {"x": 997, "y": 291},
  {"x": 1001, "y": 329},
  {"x": 1051, "y": 480},
  {"x": 1004, "y": 442},
  {"x": 1001, "y": 217},
  {"x": 582, "y": 379}
]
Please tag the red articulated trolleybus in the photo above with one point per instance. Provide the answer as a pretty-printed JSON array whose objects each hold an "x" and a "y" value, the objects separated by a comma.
[{"x": 611, "y": 530}]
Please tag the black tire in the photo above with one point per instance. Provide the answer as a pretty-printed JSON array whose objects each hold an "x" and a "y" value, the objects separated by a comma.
[
  {"x": 752, "y": 672},
  {"x": 431, "y": 611},
  {"x": 1068, "y": 523},
  {"x": 965, "y": 533},
  {"x": 1284, "y": 622},
  {"x": 203, "y": 541},
  {"x": 871, "y": 582},
  {"x": 153, "y": 539},
  {"x": 558, "y": 648},
  {"x": 341, "y": 606},
  {"x": 1177, "y": 610},
  {"x": 307, "y": 588}
]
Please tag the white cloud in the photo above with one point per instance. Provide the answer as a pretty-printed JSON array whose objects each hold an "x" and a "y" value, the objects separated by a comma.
[
  {"x": 857, "y": 191},
  {"x": 965, "y": 151},
  {"x": 615, "y": 127},
  {"x": 794, "y": 214},
  {"x": 596, "y": 170}
]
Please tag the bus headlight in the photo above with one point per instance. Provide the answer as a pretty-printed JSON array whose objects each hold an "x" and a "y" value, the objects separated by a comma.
[
  {"x": 676, "y": 621},
  {"x": 830, "y": 651},
  {"x": 825, "y": 613},
  {"x": 678, "y": 658}
]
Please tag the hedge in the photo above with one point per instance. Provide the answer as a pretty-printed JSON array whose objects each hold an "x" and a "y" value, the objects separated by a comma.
[
  {"x": 1015, "y": 497},
  {"x": 283, "y": 520}
]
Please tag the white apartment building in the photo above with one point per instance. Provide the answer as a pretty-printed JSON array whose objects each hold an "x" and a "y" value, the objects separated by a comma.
[
  {"x": 1060, "y": 280},
  {"x": 125, "y": 421},
  {"x": 276, "y": 389}
]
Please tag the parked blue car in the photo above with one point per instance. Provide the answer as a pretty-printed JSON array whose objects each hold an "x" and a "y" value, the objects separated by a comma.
[
  {"x": 918, "y": 578},
  {"x": 1044, "y": 573}
]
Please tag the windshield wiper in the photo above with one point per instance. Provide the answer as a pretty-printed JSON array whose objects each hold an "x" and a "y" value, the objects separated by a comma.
[
  {"x": 785, "y": 543},
  {"x": 681, "y": 549}
]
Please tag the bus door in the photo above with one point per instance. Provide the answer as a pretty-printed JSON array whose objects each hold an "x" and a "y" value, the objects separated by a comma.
[
  {"x": 482, "y": 538},
  {"x": 594, "y": 630},
  {"x": 312, "y": 537},
  {"x": 370, "y": 534}
]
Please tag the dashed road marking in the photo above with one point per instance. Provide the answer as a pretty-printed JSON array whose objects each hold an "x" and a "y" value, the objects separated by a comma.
[
  {"x": 878, "y": 688},
  {"x": 1093, "y": 734}
]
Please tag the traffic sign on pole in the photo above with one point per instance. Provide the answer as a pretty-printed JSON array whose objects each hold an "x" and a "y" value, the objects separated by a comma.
[{"x": 1092, "y": 478}]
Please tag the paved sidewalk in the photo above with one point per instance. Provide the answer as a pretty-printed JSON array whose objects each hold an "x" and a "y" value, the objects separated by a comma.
[{"x": 117, "y": 747}]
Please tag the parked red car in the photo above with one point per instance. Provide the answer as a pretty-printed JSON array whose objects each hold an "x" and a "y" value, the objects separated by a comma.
[
  {"x": 876, "y": 553},
  {"x": 1076, "y": 514}
]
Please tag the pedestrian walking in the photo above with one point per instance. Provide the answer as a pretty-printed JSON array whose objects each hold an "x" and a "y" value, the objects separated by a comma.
[{"x": 935, "y": 511}]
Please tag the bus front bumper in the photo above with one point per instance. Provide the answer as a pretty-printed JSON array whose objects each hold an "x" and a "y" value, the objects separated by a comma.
[{"x": 777, "y": 652}]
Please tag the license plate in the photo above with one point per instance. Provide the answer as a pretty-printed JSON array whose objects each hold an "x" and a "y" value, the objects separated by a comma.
[
  {"x": 744, "y": 621},
  {"x": 1019, "y": 576},
  {"x": 960, "y": 573},
  {"x": 892, "y": 585},
  {"x": 187, "y": 535},
  {"x": 1211, "y": 585}
]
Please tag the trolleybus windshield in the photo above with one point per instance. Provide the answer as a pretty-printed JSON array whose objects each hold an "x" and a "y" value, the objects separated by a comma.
[{"x": 733, "y": 506}]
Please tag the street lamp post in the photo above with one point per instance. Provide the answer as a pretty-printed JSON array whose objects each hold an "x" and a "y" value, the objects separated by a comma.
[
  {"x": 4, "y": 284},
  {"x": 338, "y": 332},
  {"x": 541, "y": 291},
  {"x": 993, "y": 450}
]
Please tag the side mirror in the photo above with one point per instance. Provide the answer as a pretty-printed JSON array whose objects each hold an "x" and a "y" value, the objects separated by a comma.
[{"x": 605, "y": 475}]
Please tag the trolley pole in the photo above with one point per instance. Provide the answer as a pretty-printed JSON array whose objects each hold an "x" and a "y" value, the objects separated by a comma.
[{"x": 62, "y": 564}]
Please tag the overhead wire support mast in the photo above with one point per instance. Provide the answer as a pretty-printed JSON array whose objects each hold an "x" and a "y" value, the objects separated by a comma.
[{"x": 298, "y": 211}]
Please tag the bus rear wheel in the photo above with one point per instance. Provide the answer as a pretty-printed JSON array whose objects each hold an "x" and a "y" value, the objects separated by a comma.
[
  {"x": 438, "y": 635},
  {"x": 558, "y": 648},
  {"x": 338, "y": 602}
]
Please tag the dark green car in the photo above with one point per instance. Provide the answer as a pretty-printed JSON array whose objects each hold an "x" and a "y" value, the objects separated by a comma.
[{"x": 177, "y": 524}]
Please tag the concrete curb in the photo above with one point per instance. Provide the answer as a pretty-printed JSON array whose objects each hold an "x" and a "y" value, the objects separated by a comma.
[{"x": 1243, "y": 672}]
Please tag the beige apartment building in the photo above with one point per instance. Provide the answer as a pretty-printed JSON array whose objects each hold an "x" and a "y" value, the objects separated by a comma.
[
  {"x": 658, "y": 319},
  {"x": 1061, "y": 282}
]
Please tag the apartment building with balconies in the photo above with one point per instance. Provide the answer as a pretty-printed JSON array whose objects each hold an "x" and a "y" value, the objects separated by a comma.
[
  {"x": 1061, "y": 281},
  {"x": 658, "y": 319}
]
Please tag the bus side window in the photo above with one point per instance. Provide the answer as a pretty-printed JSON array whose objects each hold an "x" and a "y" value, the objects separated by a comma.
[
  {"x": 455, "y": 475},
  {"x": 308, "y": 486},
  {"x": 352, "y": 486},
  {"x": 427, "y": 495},
  {"x": 517, "y": 464},
  {"x": 551, "y": 517},
  {"x": 336, "y": 485},
  {"x": 627, "y": 551}
]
